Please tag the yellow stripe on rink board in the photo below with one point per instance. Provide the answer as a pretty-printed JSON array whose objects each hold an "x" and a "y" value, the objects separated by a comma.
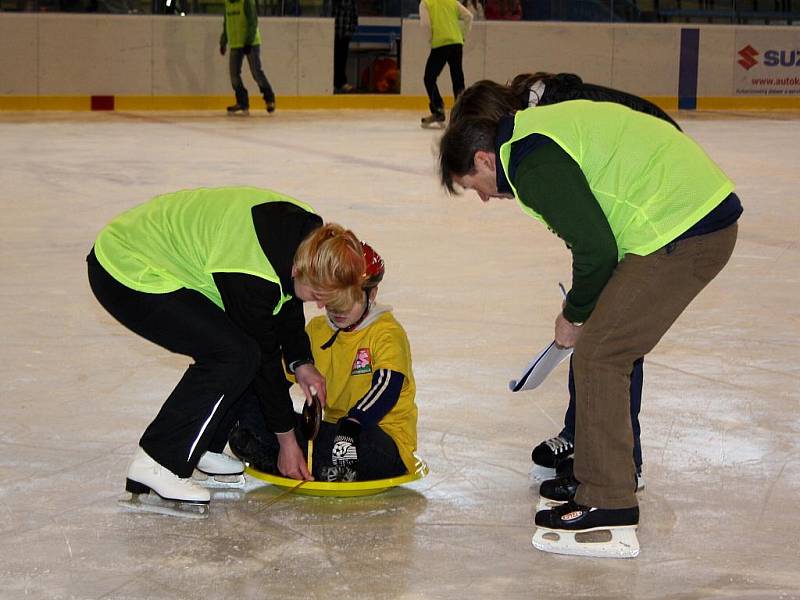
[
  {"x": 167, "y": 103},
  {"x": 342, "y": 101},
  {"x": 22, "y": 103},
  {"x": 750, "y": 103}
]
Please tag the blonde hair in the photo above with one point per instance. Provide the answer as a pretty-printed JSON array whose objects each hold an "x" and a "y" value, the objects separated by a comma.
[{"x": 330, "y": 261}]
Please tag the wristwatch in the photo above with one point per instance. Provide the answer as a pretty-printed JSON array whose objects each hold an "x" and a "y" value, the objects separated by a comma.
[{"x": 299, "y": 363}]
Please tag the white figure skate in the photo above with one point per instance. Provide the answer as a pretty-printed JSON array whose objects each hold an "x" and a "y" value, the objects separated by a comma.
[
  {"x": 219, "y": 470},
  {"x": 585, "y": 531},
  {"x": 154, "y": 488}
]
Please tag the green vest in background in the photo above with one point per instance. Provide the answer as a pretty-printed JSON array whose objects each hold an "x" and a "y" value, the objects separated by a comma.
[
  {"x": 178, "y": 240},
  {"x": 445, "y": 23},
  {"x": 651, "y": 181},
  {"x": 241, "y": 22}
]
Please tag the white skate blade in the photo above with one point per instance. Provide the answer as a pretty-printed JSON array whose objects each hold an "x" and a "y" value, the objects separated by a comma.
[
  {"x": 434, "y": 125},
  {"x": 599, "y": 542},
  {"x": 235, "y": 481},
  {"x": 153, "y": 503},
  {"x": 540, "y": 473}
]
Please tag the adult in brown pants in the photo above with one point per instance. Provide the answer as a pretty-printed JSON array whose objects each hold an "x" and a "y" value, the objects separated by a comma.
[{"x": 650, "y": 219}]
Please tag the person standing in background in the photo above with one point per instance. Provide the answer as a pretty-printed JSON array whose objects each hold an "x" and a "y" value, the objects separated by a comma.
[
  {"x": 240, "y": 32},
  {"x": 345, "y": 18},
  {"x": 443, "y": 19}
]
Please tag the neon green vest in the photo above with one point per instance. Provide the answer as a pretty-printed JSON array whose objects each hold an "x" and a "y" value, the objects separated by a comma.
[
  {"x": 236, "y": 23},
  {"x": 445, "y": 24},
  {"x": 651, "y": 181},
  {"x": 178, "y": 240}
]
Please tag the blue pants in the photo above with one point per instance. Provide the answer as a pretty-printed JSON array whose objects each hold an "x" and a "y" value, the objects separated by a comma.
[
  {"x": 235, "y": 68},
  {"x": 637, "y": 380}
]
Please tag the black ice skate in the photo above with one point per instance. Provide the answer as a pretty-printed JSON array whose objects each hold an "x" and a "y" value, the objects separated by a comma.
[
  {"x": 238, "y": 110},
  {"x": 547, "y": 455},
  {"x": 252, "y": 450},
  {"x": 269, "y": 101},
  {"x": 562, "y": 488},
  {"x": 554, "y": 492},
  {"x": 587, "y": 531},
  {"x": 154, "y": 488},
  {"x": 433, "y": 121}
]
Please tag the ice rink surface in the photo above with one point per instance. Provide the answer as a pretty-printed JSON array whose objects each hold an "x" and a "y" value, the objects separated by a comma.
[{"x": 476, "y": 288}]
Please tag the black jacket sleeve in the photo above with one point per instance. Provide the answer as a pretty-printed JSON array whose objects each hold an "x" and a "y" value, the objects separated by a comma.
[{"x": 249, "y": 302}]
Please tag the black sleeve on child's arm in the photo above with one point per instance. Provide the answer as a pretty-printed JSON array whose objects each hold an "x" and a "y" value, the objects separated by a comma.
[
  {"x": 550, "y": 182},
  {"x": 380, "y": 399}
]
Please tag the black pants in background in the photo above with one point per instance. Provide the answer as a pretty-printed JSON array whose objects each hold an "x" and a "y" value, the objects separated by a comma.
[
  {"x": 341, "y": 49},
  {"x": 450, "y": 55},
  {"x": 198, "y": 414}
]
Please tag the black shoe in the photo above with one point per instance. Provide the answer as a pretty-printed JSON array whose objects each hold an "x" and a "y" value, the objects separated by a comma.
[
  {"x": 435, "y": 119},
  {"x": 575, "y": 517},
  {"x": 256, "y": 453},
  {"x": 565, "y": 468},
  {"x": 550, "y": 452},
  {"x": 560, "y": 489},
  {"x": 270, "y": 102},
  {"x": 238, "y": 109}
]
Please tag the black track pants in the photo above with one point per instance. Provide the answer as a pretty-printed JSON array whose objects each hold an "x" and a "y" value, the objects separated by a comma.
[{"x": 199, "y": 412}]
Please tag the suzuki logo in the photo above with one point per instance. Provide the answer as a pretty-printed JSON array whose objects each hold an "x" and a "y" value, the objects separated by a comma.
[{"x": 748, "y": 54}]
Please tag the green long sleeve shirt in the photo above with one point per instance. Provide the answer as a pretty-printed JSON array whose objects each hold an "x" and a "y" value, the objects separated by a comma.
[{"x": 550, "y": 182}]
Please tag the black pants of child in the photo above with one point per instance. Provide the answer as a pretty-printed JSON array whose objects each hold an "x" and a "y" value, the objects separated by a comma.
[
  {"x": 235, "y": 60},
  {"x": 450, "y": 55},
  {"x": 378, "y": 457},
  {"x": 199, "y": 413}
]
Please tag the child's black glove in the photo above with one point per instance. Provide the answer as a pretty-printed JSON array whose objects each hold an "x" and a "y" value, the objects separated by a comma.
[{"x": 345, "y": 444}]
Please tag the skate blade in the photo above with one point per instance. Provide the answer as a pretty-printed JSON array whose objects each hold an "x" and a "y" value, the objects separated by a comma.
[
  {"x": 152, "y": 503},
  {"x": 437, "y": 125},
  {"x": 236, "y": 481},
  {"x": 540, "y": 473},
  {"x": 599, "y": 542}
]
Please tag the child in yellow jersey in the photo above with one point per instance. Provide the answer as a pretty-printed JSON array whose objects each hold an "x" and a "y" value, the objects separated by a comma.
[{"x": 369, "y": 428}]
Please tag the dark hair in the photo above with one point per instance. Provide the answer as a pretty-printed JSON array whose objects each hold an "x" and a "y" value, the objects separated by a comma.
[
  {"x": 568, "y": 86},
  {"x": 486, "y": 99},
  {"x": 559, "y": 87},
  {"x": 458, "y": 146}
]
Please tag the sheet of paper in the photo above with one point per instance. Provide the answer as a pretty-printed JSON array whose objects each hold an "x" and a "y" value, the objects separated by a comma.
[{"x": 539, "y": 368}]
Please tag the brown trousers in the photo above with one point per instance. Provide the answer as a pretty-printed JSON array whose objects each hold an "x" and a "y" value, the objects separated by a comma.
[{"x": 640, "y": 302}]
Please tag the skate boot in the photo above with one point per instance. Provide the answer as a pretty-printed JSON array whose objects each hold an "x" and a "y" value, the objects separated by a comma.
[
  {"x": 562, "y": 488},
  {"x": 238, "y": 109},
  {"x": 269, "y": 101},
  {"x": 433, "y": 121},
  {"x": 547, "y": 455},
  {"x": 253, "y": 451},
  {"x": 218, "y": 470},
  {"x": 554, "y": 492},
  {"x": 154, "y": 488},
  {"x": 587, "y": 531}
]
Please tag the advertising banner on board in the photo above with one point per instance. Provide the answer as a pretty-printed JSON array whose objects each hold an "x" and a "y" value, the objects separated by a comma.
[{"x": 767, "y": 63}]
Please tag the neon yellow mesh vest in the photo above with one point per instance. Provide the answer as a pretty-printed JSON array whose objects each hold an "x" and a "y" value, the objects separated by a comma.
[
  {"x": 445, "y": 23},
  {"x": 236, "y": 23},
  {"x": 651, "y": 181},
  {"x": 178, "y": 240}
]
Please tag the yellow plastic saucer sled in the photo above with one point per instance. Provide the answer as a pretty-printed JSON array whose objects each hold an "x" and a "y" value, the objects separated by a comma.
[{"x": 341, "y": 488}]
